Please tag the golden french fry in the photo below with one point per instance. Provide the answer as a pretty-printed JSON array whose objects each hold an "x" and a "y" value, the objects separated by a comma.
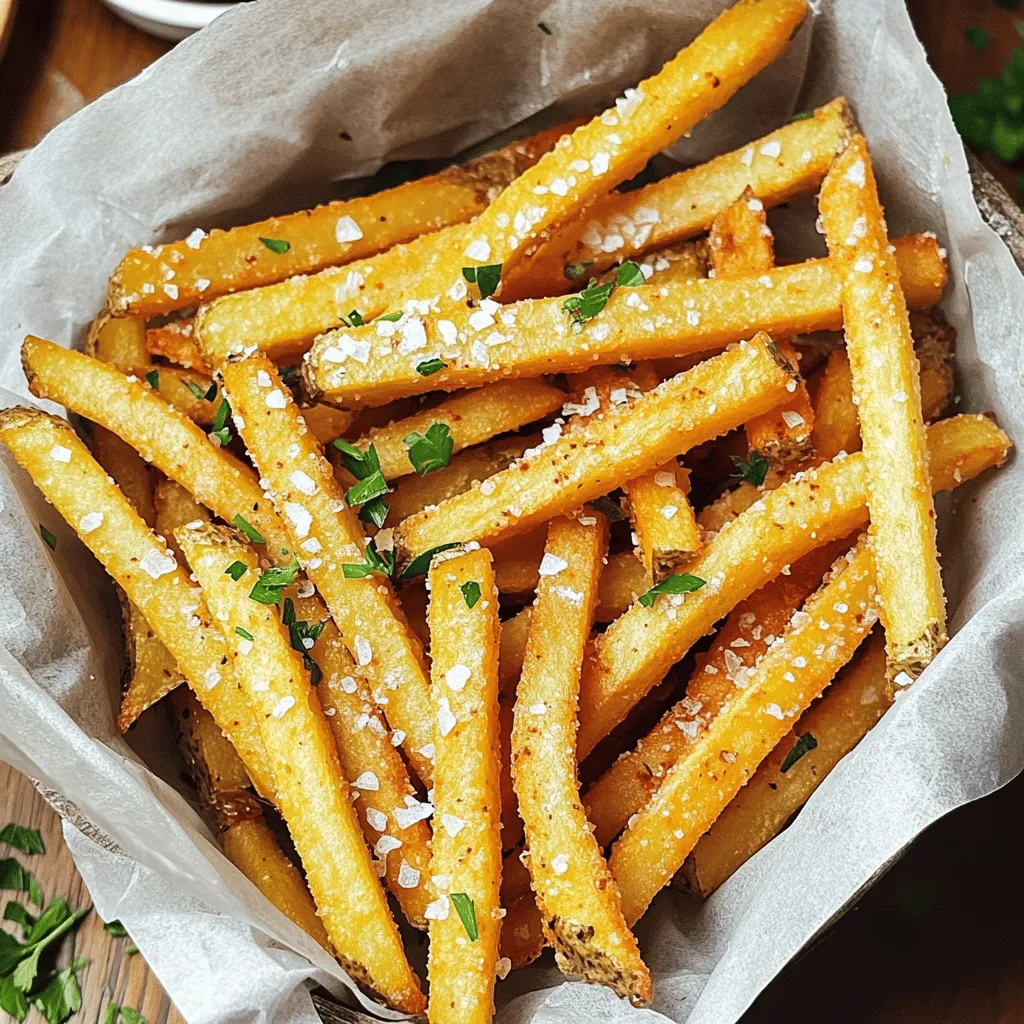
[
  {"x": 62, "y": 468},
  {"x": 174, "y": 342},
  {"x": 465, "y": 920},
  {"x": 787, "y": 777},
  {"x": 606, "y": 451},
  {"x": 128, "y": 469},
  {"x": 698, "y": 787},
  {"x": 309, "y": 786},
  {"x": 120, "y": 342},
  {"x": 471, "y": 418},
  {"x": 372, "y": 365},
  {"x": 786, "y": 163},
  {"x": 578, "y": 899},
  {"x": 155, "y": 280},
  {"x": 175, "y": 507},
  {"x": 623, "y": 581},
  {"x": 887, "y": 389},
  {"x": 176, "y": 385},
  {"x": 934, "y": 342},
  {"x": 326, "y": 422},
  {"x": 780, "y": 527},
  {"x": 663, "y": 520},
  {"x": 150, "y": 670},
  {"x": 325, "y": 535}
]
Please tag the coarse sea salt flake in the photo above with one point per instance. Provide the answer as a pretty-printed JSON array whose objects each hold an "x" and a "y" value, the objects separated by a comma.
[
  {"x": 263, "y": 379},
  {"x": 479, "y": 249},
  {"x": 453, "y": 824},
  {"x": 560, "y": 863},
  {"x": 60, "y": 454},
  {"x": 298, "y": 517},
  {"x": 438, "y": 910},
  {"x": 90, "y": 521},
  {"x": 773, "y": 148},
  {"x": 368, "y": 780},
  {"x": 457, "y": 676},
  {"x": 364, "y": 652},
  {"x": 303, "y": 482},
  {"x": 283, "y": 706},
  {"x": 408, "y": 876},
  {"x": 445, "y": 719},
  {"x": 552, "y": 565},
  {"x": 275, "y": 400},
  {"x": 347, "y": 230},
  {"x": 155, "y": 564}
]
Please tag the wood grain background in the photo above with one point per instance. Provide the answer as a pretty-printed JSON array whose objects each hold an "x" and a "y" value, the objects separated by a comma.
[{"x": 938, "y": 941}]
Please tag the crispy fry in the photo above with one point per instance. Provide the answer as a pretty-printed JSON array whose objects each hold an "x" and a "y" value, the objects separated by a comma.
[
  {"x": 128, "y": 469},
  {"x": 887, "y": 389},
  {"x": 789, "y": 676},
  {"x": 522, "y": 931},
  {"x": 326, "y": 422},
  {"x": 471, "y": 417},
  {"x": 659, "y": 509},
  {"x": 578, "y": 899},
  {"x": 310, "y": 788},
  {"x": 789, "y": 162},
  {"x": 740, "y": 244},
  {"x": 517, "y": 562},
  {"x": 175, "y": 507},
  {"x": 121, "y": 342},
  {"x": 153, "y": 281},
  {"x": 849, "y": 708},
  {"x": 150, "y": 669},
  {"x": 134, "y": 556},
  {"x": 173, "y": 384},
  {"x": 624, "y": 579},
  {"x": 607, "y": 450},
  {"x": 174, "y": 342},
  {"x": 537, "y": 336},
  {"x": 806, "y": 512},
  {"x": 325, "y": 535},
  {"x": 934, "y": 341},
  {"x": 466, "y": 846}
]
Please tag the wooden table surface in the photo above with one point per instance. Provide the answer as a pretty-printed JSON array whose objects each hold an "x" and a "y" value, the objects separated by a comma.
[{"x": 938, "y": 940}]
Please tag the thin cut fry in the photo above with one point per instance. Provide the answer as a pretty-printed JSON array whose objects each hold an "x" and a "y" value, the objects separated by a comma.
[
  {"x": 325, "y": 535},
  {"x": 69, "y": 477},
  {"x": 887, "y": 390},
  {"x": 153, "y": 281},
  {"x": 310, "y": 788},
  {"x": 465, "y": 920},
  {"x": 663, "y": 520},
  {"x": 371, "y": 365},
  {"x": 699, "y": 786},
  {"x": 578, "y": 899},
  {"x": 607, "y": 450},
  {"x": 173, "y": 384},
  {"x": 781, "y": 785},
  {"x": 121, "y": 342},
  {"x": 623, "y": 581},
  {"x": 174, "y": 342},
  {"x": 786, "y": 163},
  {"x": 471, "y": 417},
  {"x": 806, "y": 512}
]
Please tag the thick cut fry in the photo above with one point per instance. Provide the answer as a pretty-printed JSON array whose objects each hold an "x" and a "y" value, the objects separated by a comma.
[
  {"x": 887, "y": 389},
  {"x": 325, "y": 535},
  {"x": 578, "y": 899},
  {"x": 789, "y": 162},
  {"x": 790, "y": 675},
  {"x": 623, "y": 581},
  {"x": 934, "y": 341},
  {"x": 310, "y": 789},
  {"x": 740, "y": 244},
  {"x": 161, "y": 434},
  {"x": 128, "y": 469},
  {"x": 465, "y": 920},
  {"x": 153, "y": 281},
  {"x": 150, "y": 669},
  {"x": 517, "y": 562},
  {"x": 608, "y": 449},
  {"x": 173, "y": 384},
  {"x": 659, "y": 509},
  {"x": 808, "y": 511},
  {"x": 538, "y": 336},
  {"x": 69, "y": 477},
  {"x": 175, "y": 507},
  {"x": 781, "y": 785},
  {"x": 174, "y": 342},
  {"x": 120, "y": 342},
  {"x": 326, "y": 422},
  {"x": 471, "y": 417}
]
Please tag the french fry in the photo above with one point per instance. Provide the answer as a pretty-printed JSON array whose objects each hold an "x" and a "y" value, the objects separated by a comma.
[
  {"x": 175, "y": 507},
  {"x": 517, "y": 562},
  {"x": 174, "y": 342},
  {"x": 786, "y": 778},
  {"x": 539, "y": 336},
  {"x": 161, "y": 434},
  {"x": 68, "y": 476},
  {"x": 578, "y": 899},
  {"x": 623, "y": 581},
  {"x": 172, "y": 383},
  {"x": 150, "y": 669},
  {"x": 309, "y": 786},
  {"x": 934, "y": 341},
  {"x": 471, "y": 417},
  {"x": 608, "y": 450},
  {"x": 779, "y": 528},
  {"x": 886, "y": 387},
  {"x": 790, "y": 675},
  {"x": 121, "y": 342},
  {"x": 663, "y": 520},
  {"x": 326, "y": 422},
  {"x": 325, "y": 535},
  {"x": 740, "y": 244},
  {"x": 780, "y": 166},
  {"x": 465, "y": 921},
  {"x": 128, "y": 469},
  {"x": 522, "y": 932},
  {"x": 156, "y": 280}
]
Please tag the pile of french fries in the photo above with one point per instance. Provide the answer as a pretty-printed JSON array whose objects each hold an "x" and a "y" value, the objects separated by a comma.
[{"x": 556, "y": 434}]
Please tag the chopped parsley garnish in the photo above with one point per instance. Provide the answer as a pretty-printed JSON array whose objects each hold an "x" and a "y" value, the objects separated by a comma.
[
  {"x": 298, "y": 632},
  {"x": 382, "y": 562},
  {"x": 682, "y": 583},
  {"x": 207, "y": 396},
  {"x": 803, "y": 744},
  {"x": 268, "y": 587},
  {"x": 421, "y": 563},
  {"x": 61, "y": 997},
  {"x": 543, "y": 28},
  {"x": 485, "y": 278},
  {"x": 375, "y": 511},
  {"x": 467, "y": 913},
  {"x": 629, "y": 275},
  {"x": 277, "y": 245},
  {"x": 125, "y": 1013},
  {"x": 289, "y": 375},
  {"x": 221, "y": 430},
  {"x": 118, "y": 931},
  {"x": 236, "y": 570},
  {"x": 432, "y": 450},
  {"x": 977, "y": 37},
  {"x": 392, "y": 317},
  {"x": 429, "y": 366},
  {"x": 354, "y": 319},
  {"x": 365, "y": 467},
  {"x": 471, "y": 593},
  {"x": 153, "y": 379},
  {"x": 28, "y": 840},
  {"x": 245, "y": 634},
  {"x": 753, "y": 470},
  {"x": 608, "y": 507},
  {"x": 255, "y": 537},
  {"x": 575, "y": 271},
  {"x": 585, "y": 305},
  {"x": 50, "y": 539},
  {"x": 802, "y": 115}
]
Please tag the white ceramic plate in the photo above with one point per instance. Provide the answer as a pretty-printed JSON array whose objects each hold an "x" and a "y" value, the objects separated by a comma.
[{"x": 168, "y": 19}]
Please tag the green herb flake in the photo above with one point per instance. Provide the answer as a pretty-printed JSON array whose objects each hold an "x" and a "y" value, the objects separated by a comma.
[
  {"x": 977, "y": 37},
  {"x": 255, "y": 537},
  {"x": 803, "y": 744},
  {"x": 116, "y": 929},
  {"x": 207, "y": 396},
  {"x": 430, "y": 366},
  {"x": 421, "y": 563},
  {"x": 575, "y": 271},
  {"x": 467, "y": 914},
  {"x": 244, "y": 634},
  {"x": 543, "y": 28},
  {"x": 354, "y": 319},
  {"x": 35, "y": 893},
  {"x": 221, "y": 430},
  {"x": 19, "y": 915},
  {"x": 374, "y": 511},
  {"x": 267, "y": 589},
  {"x": 432, "y": 450},
  {"x": 608, "y": 507},
  {"x": 391, "y": 317},
  {"x": 802, "y": 115},
  {"x": 754, "y": 470},
  {"x": 289, "y": 375},
  {"x": 382, "y": 562},
  {"x": 13, "y": 875},
  {"x": 27, "y": 840},
  {"x": 153, "y": 379},
  {"x": 585, "y": 305},
  {"x": 629, "y": 275},
  {"x": 485, "y": 278},
  {"x": 471, "y": 593},
  {"x": 299, "y": 632},
  {"x": 365, "y": 467},
  {"x": 50, "y": 539},
  {"x": 278, "y": 245},
  {"x": 236, "y": 570},
  {"x": 370, "y": 487},
  {"x": 681, "y": 583},
  {"x": 125, "y": 1013}
]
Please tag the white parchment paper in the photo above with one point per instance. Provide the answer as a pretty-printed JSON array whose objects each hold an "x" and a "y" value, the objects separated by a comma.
[{"x": 246, "y": 119}]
